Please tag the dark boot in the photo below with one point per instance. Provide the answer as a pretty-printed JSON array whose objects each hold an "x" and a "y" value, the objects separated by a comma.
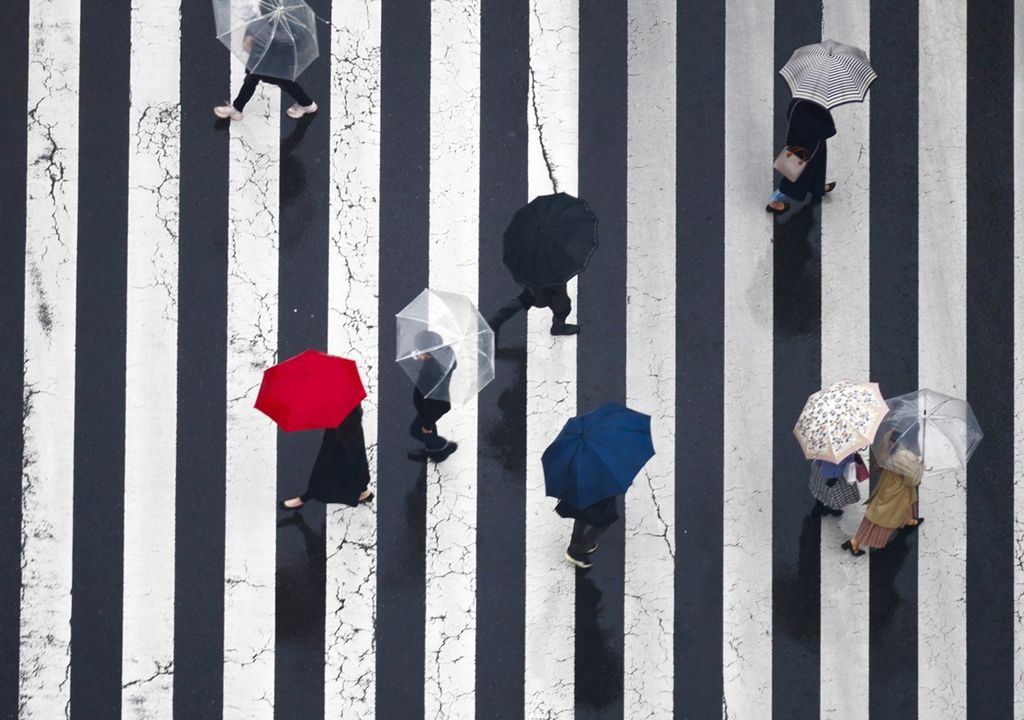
[{"x": 564, "y": 329}]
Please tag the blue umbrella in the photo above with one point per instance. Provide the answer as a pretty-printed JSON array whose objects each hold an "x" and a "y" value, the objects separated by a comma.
[{"x": 597, "y": 455}]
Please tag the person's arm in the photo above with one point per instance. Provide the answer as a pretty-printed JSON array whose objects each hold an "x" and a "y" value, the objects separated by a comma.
[{"x": 248, "y": 42}]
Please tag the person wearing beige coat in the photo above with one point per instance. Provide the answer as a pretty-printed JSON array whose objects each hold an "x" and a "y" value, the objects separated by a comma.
[{"x": 891, "y": 505}]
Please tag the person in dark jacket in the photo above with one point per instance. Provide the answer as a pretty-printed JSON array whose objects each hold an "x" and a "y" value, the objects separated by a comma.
[
  {"x": 810, "y": 125},
  {"x": 551, "y": 296},
  {"x": 588, "y": 525},
  {"x": 341, "y": 473},
  {"x": 435, "y": 376}
]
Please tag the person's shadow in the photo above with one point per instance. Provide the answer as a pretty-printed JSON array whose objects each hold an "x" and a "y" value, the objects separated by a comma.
[
  {"x": 300, "y": 585},
  {"x": 293, "y": 169},
  {"x": 594, "y": 650},
  {"x": 797, "y": 270}
]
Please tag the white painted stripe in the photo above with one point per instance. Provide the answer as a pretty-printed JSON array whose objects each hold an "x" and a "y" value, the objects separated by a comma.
[
  {"x": 553, "y": 146},
  {"x": 649, "y": 601},
  {"x": 251, "y": 461},
  {"x": 1018, "y": 359},
  {"x": 151, "y": 362},
  {"x": 350, "y": 649},
  {"x": 747, "y": 461},
  {"x": 450, "y": 641},
  {"x": 51, "y": 243},
  {"x": 942, "y": 350},
  {"x": 845, "y": 353}
]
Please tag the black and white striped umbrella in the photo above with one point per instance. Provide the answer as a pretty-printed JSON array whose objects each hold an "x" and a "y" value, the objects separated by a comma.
[{"x": 829, "y": 73}]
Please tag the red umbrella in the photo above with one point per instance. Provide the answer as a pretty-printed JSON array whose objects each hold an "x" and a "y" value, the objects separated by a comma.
[{"x": 311, "y": 390}]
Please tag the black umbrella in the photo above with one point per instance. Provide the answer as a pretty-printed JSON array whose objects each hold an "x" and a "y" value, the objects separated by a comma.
[{"x": 550, "y": 240}]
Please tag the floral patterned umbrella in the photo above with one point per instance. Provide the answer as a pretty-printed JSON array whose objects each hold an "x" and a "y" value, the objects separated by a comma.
[{"x": 840, "y": 419}]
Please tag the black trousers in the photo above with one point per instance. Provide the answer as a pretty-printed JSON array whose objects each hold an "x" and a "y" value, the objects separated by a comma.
[
  {"x": 583, "y": 536},
  {"x": 252, "y": 80},
  {"x": 560, "y": 309}
]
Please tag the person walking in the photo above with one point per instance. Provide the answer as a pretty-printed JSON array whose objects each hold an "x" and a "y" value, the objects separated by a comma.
[
  {"x": 435, "y": 374},
  {"x": 267, "y": 46},
  {"x": 835, "y": 485},
  {"x": 341, "y": 473},
  {"x": 809, "y": 126},
  {"x": 892, "y": 504},
  {"x": 588, "y": 525},
  {"x": 555, "y": 297}
]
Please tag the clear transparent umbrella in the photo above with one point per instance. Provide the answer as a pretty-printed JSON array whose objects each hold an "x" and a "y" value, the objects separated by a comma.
[
  {"x": 445, "y": 346},
  {"x": 940, "y": 430},
  {"x": 272, "y": 37}
]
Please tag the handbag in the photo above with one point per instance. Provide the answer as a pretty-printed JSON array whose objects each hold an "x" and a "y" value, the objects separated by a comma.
[{"x": 791, "y": 161}]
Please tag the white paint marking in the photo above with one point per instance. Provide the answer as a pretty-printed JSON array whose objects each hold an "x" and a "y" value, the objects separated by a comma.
[
  {"x": 251, "y": 479},
  {"x": 350, "y": 648},
  {"x": 450, "y": 642},
  {"x": 845, "y": 354},
  {"x": 151, "y": 362},
  {"x": 553, "y": 121},
  {"x": 942, "y": 350},
  {"x": 747, "y": 461},
  {"x": 51, "y": 245},
  {"x": 649, "y": 600}
]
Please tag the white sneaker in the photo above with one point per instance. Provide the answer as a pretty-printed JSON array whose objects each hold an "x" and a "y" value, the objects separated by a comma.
[
  {"x": 227, "y": 111},
  {"x": 296, "y": 111}
]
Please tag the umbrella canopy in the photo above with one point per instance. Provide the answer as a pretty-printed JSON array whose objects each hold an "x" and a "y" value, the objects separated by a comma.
[
  {"x": 840, "y": 419},
  {"x": 938, "y": 430},
  {"x": 309, "y": 391},
  {"x": 272, "y": 37},
  {"x": 829, "y": 73},
  {"x": 597, "y": 455},
  {"x": 550, "y": 240},
  {"x": 441, "y": 331}
]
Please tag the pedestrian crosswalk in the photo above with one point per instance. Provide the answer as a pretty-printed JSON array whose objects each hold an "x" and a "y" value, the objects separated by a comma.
[{"x": 165, "y": 259}]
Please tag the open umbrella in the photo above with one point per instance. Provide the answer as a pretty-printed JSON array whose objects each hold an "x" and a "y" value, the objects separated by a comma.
[
  {"x": 272, "y": 37},
  {"x": 941, "y": 431},
  {"x": 597, "y": 455},
  {"x": 309, "y": 391},
  {"x": 445, "y": 346},
  {"x": 839, "y": 419},
  {"x": 550, "y": 240},
  {"x": 829, "y": 73}
]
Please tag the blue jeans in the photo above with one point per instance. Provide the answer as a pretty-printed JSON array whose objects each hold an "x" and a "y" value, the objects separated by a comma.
[{"x": 779, "y": 196}]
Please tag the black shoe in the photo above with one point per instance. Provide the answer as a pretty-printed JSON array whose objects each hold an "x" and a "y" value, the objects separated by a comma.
[
  {"x": 419, "y": 455},
  {"x": 565, "y": 329},
  {"x": 366, "y": 499},
  {"x": 290, "y": 507},
  {"x": 833, "y": 512},
  {"x": 442, "y": 454},
  {"x": 773, "y": 211},
  {"x": 915, "y": 526},
  {"x": 580, "y": 561},
  {"x": 849, "y": 546}
]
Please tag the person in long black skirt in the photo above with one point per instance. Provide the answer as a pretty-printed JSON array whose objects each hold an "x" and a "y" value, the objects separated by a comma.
[
  {"x": 341, "y": 473},
  {"x": 810, "y": 125},
  {"x": 589, "y": 524},
  {"x": 437, "y": 367},
  {"x": 555, "y": 297}
]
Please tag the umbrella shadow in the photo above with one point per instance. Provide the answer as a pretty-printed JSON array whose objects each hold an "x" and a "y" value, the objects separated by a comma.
[
  {"x": 594, "y": 650},
  {"x": 500, "y": 436},
  {"x": 293, "y": 169},
  {"x": 799, "y": 593},
  {"x": 797, "y": 272},
  {"x": 300, "y": 584}
]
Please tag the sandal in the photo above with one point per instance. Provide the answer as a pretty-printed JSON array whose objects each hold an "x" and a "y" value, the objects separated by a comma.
[
  {"x": 776, "y": 211},
  {"x": 849, "y": 546},
  {"x": 829, "y": 187},
  {"x": 366, "y": 499},
  {"x": 283, "y": 506},
  {"x": 914, "y": 525}
]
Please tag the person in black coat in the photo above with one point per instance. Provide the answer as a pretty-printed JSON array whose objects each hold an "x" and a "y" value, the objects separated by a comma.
[
  {"x": 589, "y": 524},
  {"x": 435, "y": 375},
  {"x": 341, "y": 473},
  {"x": 810, "y": 125},
  {"x": 555, "y": 297}
]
